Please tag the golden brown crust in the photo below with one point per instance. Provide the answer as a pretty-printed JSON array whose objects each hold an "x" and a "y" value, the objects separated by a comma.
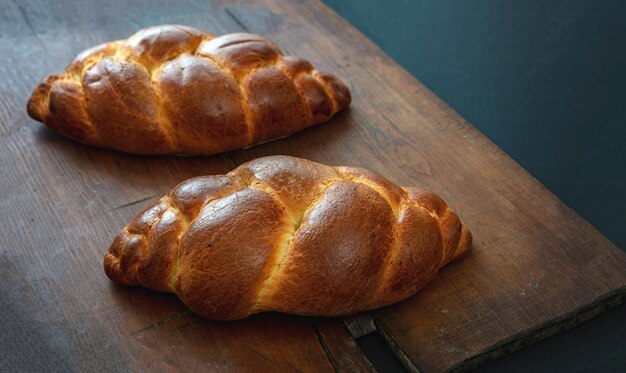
[
  {"x": 286, "y": 234},
  {"x": 177, "y": 90},
  {"x": 274, "y": 101},
  {"x": 202, "y": 105},
  {"x": 336, "y": 256}
]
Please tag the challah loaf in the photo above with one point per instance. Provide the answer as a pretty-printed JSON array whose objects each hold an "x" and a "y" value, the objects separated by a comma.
[
  {"x": 178, "y": 90},
  {"x": 286, "y": 234}
]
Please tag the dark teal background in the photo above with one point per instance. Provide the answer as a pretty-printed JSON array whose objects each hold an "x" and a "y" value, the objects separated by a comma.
[{"x": 545, "y": 81}]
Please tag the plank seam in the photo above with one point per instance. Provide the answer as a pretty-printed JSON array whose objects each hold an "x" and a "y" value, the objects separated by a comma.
[
  {"x": 396, "y": 349},
  {"x": 329, "y": 355}
]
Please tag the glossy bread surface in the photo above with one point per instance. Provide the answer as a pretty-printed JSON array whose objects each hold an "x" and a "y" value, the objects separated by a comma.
[
  {"x": 175, "y": 89},
  {"x": 286, "y": 234}
]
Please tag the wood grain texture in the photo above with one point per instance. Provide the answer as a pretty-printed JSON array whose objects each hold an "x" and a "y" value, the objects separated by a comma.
[
  {"x": 535, "y": 268},
  {"x": 63, "y": 203}
]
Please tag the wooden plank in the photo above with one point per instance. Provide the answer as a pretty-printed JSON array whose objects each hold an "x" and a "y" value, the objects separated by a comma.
[
  {"x": 55, "y": 296},
  {"x": 536, "y": 267},
  {"x": 63, "y": 202},
  {"x": 261, "y": 343},
  {"x": 534, "y": 263}
]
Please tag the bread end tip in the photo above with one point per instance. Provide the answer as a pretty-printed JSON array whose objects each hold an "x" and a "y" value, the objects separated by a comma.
[{"x": 39, "y": 101}]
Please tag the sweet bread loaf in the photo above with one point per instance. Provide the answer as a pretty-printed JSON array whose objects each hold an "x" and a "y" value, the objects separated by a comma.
[
  {"x": 286, "y": 234},
  {"x": 178, "y": 90}
]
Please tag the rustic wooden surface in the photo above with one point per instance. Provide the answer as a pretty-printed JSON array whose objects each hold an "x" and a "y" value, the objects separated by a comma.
[{"x": 535, "y": 268}]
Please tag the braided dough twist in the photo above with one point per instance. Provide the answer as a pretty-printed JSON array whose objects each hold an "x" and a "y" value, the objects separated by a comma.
[
  {"x": 286, "y": 234},
  {"x": 174, "y": 89}
]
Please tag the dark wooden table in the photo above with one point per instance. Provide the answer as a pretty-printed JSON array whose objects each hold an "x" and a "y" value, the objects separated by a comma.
[{"x": 536, "y": 268}]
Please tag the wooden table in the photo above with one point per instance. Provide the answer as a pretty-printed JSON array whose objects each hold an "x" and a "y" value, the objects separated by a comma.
[{"x": 535, "y": 269}]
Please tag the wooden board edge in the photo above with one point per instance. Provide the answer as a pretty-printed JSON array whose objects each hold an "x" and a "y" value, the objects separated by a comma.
[
  {"x": 552, "y": 327},
  {"x": 518, "y": 341}
]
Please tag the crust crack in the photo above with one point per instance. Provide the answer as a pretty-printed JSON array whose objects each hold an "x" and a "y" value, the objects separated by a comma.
[
  {"x": 163, "y": 120},
  {"x": 391, "y": 255},
  {"x": 187, "y": 222},
  {"x": 265, "y": 285}
]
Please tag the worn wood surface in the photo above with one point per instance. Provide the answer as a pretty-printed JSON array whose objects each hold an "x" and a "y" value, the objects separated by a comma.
[{"x": 535, "y": 268}]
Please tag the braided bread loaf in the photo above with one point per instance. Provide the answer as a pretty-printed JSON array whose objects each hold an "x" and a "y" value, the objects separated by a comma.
[
  {"x": 286, "y": 234},
  {"x": 175, "y": 89}
]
